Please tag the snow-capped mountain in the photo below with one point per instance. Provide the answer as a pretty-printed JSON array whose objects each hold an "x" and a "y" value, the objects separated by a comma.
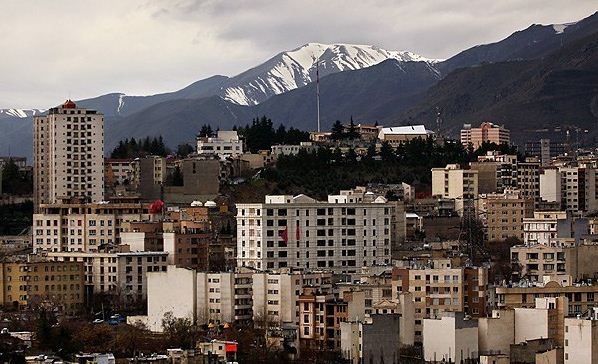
[
  {"x": 19, "y": 113},
  {"x": 296, "y": 68}
]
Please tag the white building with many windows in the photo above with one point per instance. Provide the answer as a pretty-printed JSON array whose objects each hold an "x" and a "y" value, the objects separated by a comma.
[
  {"x": 348, "y": 231},
  {"x": 226, "y": 144},
  {"x": 68, "y": 149}
]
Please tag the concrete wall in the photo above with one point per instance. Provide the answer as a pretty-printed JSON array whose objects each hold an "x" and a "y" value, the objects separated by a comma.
[
  {"x": 530, "y": 323},
  {"x": 171, "y": 291},
  {"x": 581, "y": 341},
  {"x": 497, "y": 333},
  {"x": 380, "y": 339}
]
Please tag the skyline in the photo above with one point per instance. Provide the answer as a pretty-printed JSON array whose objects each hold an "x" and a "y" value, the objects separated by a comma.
[{"x": 159, "y": 47}]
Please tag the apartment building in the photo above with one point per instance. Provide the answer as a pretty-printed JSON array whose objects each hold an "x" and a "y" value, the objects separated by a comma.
[
  {"x": 54, "y": 285},
  {"x": 505, "y": 213},
  {"x": 459, "y": 184},
  {"x": 290, "y": 149},
  {"x": 528, "y": 179},
  {"x": 269, "y": 299},
  {"x": 581, "y": 297},
  {"x": 122, "y": 274},
  {"x": 438, "y": 290},
  {"x": 68, "y": 149},
  {"x": 82, "y": 227},
  {"x": 450, "y": 338},
  {"x": 537, "y": 261},
  {"x": 545, "y": 149},
  {"x": 121, "y": 177},
  {"x": 573, "y": 188},
  {"x": 496, "y": 172},
  {"x": 581, "y": 339},
  {"x": 486, "y": 133},
  {"x": 350, "y": 230},
  {"x": 152, "y": 175},
  {"x": 225, "y": 144},
  {"x": 547, "y": 227}
]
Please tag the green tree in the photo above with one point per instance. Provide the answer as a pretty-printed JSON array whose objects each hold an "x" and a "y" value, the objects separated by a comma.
[
  {"x": 338, "y": 131},
  {"x": 183, "y": 150}
]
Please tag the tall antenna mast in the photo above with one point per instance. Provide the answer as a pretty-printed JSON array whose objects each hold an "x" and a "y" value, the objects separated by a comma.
[{"x": 318, "y": 89}]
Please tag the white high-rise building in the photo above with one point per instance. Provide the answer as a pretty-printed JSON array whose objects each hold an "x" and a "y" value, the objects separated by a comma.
[
  {"x": 68, "y": 154},
  {"x": 348, "y": 231}
]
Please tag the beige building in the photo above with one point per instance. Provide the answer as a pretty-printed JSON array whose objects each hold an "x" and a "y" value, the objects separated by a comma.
[
  {"x": 486, "y": 133},
  {"x": 68, "y": 149},
  {"x": 581, "y": 339},
  {"x": 54, "y": 285},
  {"x": 439, "y": 290},
  {"x": 121, "y": 274},
  {"x": 452, "y": 338},
  {"x": 505, "y": 213},
  {"x": 459, "y": 184},
  {"x": 348, "y": 231},
  {"x": 82, "y": 227}
]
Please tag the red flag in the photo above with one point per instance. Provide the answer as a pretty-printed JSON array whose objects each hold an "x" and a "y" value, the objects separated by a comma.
[{"x": 284, "y": 235}]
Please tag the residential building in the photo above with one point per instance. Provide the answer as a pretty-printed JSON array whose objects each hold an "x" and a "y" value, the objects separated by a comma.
[
  {"x": 400, "y": 134},
  {"x": 581, "y": 339},
  {"x": 486, "y": 133},
  {"x": 375, "y": 340},
  {"x": 152, "y": 176},
  {"x": 367, "y": 132},
  {"x": 505, "y": 213},
  {"x": 528, "y": 179},
  {"x": 68, "y": 149},
  {"x": 32, "y": 284},
  {"x": 225, "y": 144},
  {"x": 452, "y": 338},
  {"x": 439, "y": 290},
  {"x": 121, "y": 274},
  {"x": 288, "y": 149},
  {"x": 82, "y": 227},
  {"x": 544, "y": 149},
  {"x": 459, "y": 184},
  {"x": 547, "y": 227},
  {"x": 581, "y": 297},
  {"x": 350, "y": 230}
]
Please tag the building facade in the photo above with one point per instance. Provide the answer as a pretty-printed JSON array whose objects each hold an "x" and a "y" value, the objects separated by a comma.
[
  {"x": 486, "y": 133},
  {"x": 68, "y": 149}
]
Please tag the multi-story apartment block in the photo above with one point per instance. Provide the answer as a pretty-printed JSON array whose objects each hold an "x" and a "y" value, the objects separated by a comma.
[
  {"x": 571, "y": 188},
  {"x": 505, "y": 213},
  {"x": 82, "y": 227},
  {"x": 537, "y": 261},
  {"x": 122, "y": 274},
  {"x": 486, "y": 133},
  {"x": 68, "y": 145},
  {"x": 226, "y": 144},
  {"x": 496, "y": 172},
  {"x": 528, "y": 180},
  {"x": 54, "y": 285},
  {"x": 581, "y": 297},
  {"x": 459, "y": 184},
  {"x": 348, "y": 231},
  {"x": 547, "y": 227},
  {"x": 544, "y": 149},
  {"x": 438, "y": 290},
  {"x": 152, "y": 175}
]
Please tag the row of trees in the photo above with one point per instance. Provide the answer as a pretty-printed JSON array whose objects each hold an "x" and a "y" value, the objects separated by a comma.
[
  {"x": 260, "y": 134},
  {"x": 132, "y": 148},
  {"x": 327, "y": 170}
]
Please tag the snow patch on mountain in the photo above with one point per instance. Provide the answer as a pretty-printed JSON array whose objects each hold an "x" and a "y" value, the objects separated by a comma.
[
  {"x": 560, "y": 28},
  {"x": 19, "y": 113},
  {"x": 298, "y": 67}
]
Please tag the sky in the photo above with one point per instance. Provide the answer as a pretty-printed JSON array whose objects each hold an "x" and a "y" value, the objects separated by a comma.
[{"x": 53, "y": 50}]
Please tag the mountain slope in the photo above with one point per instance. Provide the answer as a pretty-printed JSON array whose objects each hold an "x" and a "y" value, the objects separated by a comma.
[
  {"x": 293, "y": 69},
  {"x": 284, "y": 72},
  {"x": 534, "y": 42},
  {"x": 558, "y": 91}
]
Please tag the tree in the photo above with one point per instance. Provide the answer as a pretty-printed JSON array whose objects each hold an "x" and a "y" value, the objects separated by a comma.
[
  {"x": 181, "y": 332},
  {"x": 338, "y": 131},
  {"x": 386, "y": 152},
  {"x": 177, "y": 177},
  {"x": 352, "y": 133},
  {"x": 183, "y": 150}
]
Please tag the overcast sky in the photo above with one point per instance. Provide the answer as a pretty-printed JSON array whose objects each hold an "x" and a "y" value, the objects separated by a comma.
[{"x": 52, "y": 50}]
